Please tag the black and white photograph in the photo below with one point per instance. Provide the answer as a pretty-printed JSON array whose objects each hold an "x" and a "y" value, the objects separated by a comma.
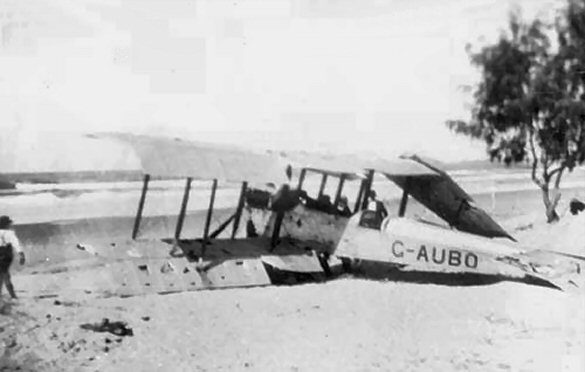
[{"x": 292, "y": 185}]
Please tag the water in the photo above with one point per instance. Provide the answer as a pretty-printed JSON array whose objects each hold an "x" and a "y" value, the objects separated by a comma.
[{"x": 32, "y": 203}]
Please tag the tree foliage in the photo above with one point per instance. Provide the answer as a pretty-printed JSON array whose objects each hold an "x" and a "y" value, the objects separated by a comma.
[{"x": 530, "y": 102}]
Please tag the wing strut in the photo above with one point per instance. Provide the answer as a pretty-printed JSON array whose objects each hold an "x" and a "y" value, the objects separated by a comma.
[
  {"x": 358, "y": 202},
  {"x": 222, "y": 227},
  {"x": 239, "y": 209},
  {"x": 208, "y": 220},
  {"x": 322, "y": 187},
  {"x": 339, "y": 190},
  {"x": 183, "y": 210},
  {"x": 404, "y": 200},
  {"x": 140, "y": 206},
  {"x": 302, "y": 178},
  {"x": 367, "y": 188}
]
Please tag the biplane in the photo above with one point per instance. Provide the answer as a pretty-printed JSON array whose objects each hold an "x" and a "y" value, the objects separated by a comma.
[{"x": 287, "y": 236}]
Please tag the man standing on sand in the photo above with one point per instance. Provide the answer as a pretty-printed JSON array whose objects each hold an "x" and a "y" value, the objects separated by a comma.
[{"x": 9, "y": 246}]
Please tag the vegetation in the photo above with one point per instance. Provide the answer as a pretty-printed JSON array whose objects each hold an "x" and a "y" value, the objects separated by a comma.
[{"x": 529, "y": 104}]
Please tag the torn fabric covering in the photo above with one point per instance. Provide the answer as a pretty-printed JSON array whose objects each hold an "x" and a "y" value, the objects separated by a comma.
[{"x": 439, "y": 193}]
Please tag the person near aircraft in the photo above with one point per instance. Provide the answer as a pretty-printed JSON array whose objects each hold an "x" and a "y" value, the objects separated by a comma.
[
  {"x": 343, "y": 208},
  {"x": 324, "y": 204},
  {"x": 9, "y": 247},
  {"x": 282, "y": 201},
  {"x": 376, "y": 205}
]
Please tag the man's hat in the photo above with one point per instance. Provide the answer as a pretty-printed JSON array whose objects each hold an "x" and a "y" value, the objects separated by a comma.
[{"x": 5, "y": 221}]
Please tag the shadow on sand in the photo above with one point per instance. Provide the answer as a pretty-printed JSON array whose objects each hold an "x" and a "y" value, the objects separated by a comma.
[
  {"x": 385, "y": 272},
  {"x": 255, "y": 248}
]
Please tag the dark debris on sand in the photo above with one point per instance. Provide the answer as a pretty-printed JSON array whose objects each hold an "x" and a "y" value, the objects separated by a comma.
[{"x": 117, "y": 328}]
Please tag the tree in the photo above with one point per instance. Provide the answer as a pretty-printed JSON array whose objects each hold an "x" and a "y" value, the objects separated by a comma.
[{"x": 529, "y": 104}]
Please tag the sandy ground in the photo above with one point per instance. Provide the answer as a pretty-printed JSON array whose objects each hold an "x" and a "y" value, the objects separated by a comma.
[{"x": 342, "y": 325}]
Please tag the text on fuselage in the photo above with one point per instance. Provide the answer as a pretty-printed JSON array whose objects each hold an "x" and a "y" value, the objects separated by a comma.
[{"x": 439, "y": 256}]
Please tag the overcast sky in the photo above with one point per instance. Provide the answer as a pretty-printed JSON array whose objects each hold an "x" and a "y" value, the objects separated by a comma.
[{"x": 328, "y": 75}]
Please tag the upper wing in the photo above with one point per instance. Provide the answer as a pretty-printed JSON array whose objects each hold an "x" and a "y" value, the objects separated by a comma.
[{"x": 166, "y": 157}]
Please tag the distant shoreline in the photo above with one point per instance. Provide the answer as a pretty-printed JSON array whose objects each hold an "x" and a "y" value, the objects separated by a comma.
[
  {"x": 121, "y": 175},
  {"x": 73, "y": 176}
]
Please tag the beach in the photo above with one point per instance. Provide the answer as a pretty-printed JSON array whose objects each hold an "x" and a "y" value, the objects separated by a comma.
[
  {"x": 346, "y": 324},
  {"x": 191, "y": 183}
]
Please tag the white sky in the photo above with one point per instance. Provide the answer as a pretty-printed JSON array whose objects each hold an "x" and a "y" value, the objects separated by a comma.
[{"x": 325, "y": 75}]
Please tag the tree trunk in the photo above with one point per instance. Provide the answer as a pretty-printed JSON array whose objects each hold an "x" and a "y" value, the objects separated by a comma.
[{"x": 551, "y": 204}]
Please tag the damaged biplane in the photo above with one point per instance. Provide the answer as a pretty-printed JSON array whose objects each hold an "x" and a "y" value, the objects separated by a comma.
[{"x": 289, "y": 237}]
